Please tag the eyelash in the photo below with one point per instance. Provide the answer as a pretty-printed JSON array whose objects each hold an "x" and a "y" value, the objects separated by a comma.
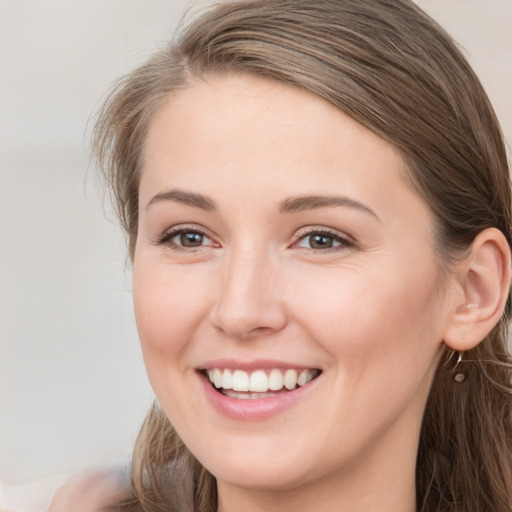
[
  {"x": 344, "y": 242},
  {"x": 167, "y": 237}
]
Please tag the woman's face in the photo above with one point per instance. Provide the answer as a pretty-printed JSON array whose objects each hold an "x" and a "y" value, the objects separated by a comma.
[{"x": 278, "y": 239}]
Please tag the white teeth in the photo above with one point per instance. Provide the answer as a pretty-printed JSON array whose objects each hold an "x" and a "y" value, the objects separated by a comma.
[
  {"x": 290, "y": 379},
  {"x": 305, "y": 376},
  {"x": 275, "y": 380},
  {"x": 217, "y": 378},
  {"x": 247, "y": 396},
  {"x": 227, "y": 379},
  {"x": 240, "y": 381},
  {"x": 259, "y": 382}
]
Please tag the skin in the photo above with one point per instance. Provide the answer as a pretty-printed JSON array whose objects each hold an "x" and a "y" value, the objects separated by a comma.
[
  {"x": 232, "y": 158},
  {"x": 370, "y": 312}
]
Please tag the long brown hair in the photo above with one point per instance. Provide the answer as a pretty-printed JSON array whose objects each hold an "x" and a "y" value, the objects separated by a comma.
[{"x": 394, "y": 70}]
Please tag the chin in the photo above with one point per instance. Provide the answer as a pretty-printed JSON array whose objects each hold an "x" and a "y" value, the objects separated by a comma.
[
  {"x": 274, "y": 466},
  {"x": 267, "y": 476}
]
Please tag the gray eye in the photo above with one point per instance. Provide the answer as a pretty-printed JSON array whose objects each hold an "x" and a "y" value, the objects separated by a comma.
[
  {"x": 190, "y": 239},
  {"x": 321, "y": 241},
  {"x": 318, "y": 240}
]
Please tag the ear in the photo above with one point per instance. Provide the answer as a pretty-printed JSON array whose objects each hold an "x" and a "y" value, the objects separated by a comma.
[{"x": 483, "y": 284}]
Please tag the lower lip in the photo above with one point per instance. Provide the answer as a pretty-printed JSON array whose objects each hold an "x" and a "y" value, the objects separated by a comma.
[{"x": 253, "y": 409}]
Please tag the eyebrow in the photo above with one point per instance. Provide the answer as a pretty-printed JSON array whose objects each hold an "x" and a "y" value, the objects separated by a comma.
[
  {"x": 302, "y": 203},
  {"x": 184, "y": 197},
  {"x": 290, "y": 205}
]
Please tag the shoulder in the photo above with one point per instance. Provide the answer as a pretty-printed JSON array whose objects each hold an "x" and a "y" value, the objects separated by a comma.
[{"x": 91, "y": 491}]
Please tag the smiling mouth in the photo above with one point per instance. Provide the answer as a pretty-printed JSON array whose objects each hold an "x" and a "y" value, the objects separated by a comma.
[{"x": 259, "y": 383}]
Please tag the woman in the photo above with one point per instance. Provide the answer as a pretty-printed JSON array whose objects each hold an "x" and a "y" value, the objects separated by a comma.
[{"x": 317, "y": 202}]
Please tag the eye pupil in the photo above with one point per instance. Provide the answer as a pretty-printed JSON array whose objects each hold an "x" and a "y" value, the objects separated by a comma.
[
  {"x": 190, "y": 239},
  {"x": 320, "y": 242}
]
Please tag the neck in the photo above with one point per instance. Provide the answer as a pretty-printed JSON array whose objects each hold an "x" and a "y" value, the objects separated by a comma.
[{"x": 363, "y": 498}]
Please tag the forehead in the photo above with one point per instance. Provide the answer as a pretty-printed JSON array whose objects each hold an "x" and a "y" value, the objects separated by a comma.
[
  {"x": 247, "y": 104},
  {"x": 252, "y": 135}
]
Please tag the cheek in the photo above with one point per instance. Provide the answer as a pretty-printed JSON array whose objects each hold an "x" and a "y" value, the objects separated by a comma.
[
  {"x": 168, "y": 307},
  {"x": 363, "y": 318},
  {"x": 383, "y": 341}
]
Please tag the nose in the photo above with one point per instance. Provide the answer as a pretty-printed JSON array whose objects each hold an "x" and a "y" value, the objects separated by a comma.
[{"x": 249, "y": 303}]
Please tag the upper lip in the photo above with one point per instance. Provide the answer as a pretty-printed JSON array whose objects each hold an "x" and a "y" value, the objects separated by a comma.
[{"x": 255, "y": 364}]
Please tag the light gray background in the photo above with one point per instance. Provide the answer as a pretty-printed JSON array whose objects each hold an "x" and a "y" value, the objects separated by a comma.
[{"x": 73, "y": 391}]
